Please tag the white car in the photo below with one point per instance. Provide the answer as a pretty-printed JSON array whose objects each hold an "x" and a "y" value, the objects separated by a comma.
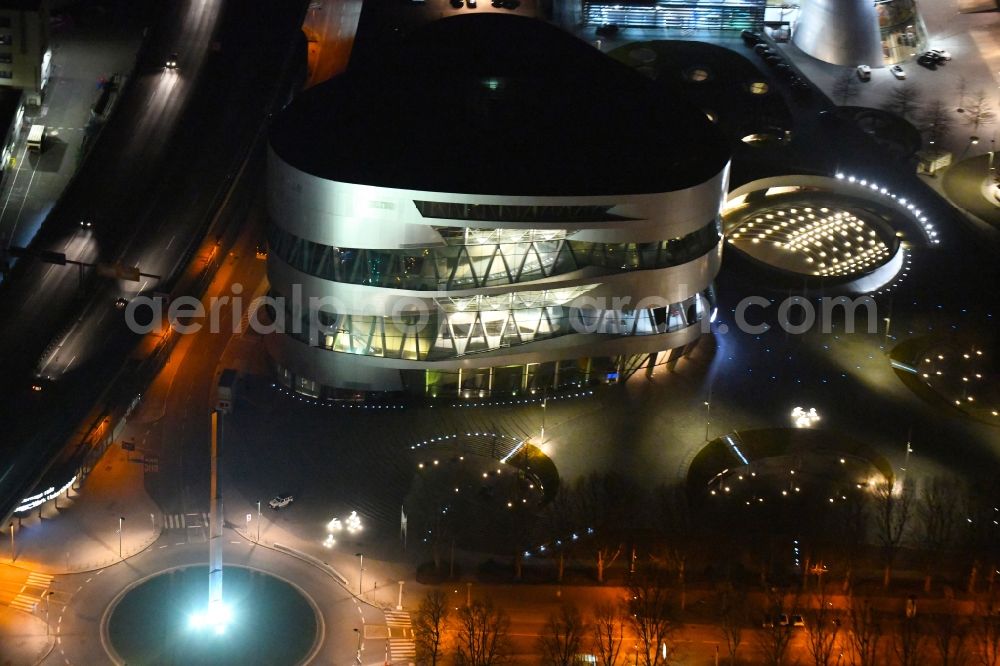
[
  {"x": 864, "y": 72},
  {"x": 941, "y": 53},
  {"x": 897, "y": 71},
  {"x": 281, "y": 501}
]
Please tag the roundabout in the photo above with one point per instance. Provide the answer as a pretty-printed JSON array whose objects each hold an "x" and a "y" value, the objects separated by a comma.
[{"x": 156, "y": 620}]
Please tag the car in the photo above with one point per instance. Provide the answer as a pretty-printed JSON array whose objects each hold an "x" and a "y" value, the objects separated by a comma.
[
  {"x": 751, "y": 38},
  {"x": 171, "y": 62},
  {"x": 941, "y": 53},
  {"x": 898, "y": 71},
  {"x": 864, "y": 72},
  {"x": 798, "y": 620},
  {"x": 121, "y": 303},
  {"x": 762, "y": 50},
  {"x": 471, "y": 4},
  {"x": 86, "y": 223},
  {"x": 607, "y": 30},
  {"x": 280, "y": 501},
  {"x": 773, "y": 60},
  {"x": 927, "y": 60},
  {"x": 261, "y": 252}
]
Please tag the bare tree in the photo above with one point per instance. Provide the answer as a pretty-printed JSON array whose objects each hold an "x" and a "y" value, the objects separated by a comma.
[
  {"x": 482, "y": 635},
  {"x": 985, "y": 632},
  {"x": 865, "y": 633},
  {"x": 652, "y": 614},
  {"x": 937, "y": 517},
  {"x": 936, "y": 121},
  {"x": 733, "y": 615},
  {"x": 429, "y": 626},
  {"x": 979, "y": 538},
  {"x": 562, "y": 637},
  {"x": 561, "y": 519},
  {"x": 608, "y": 633},
  {"x": 845, "y": 86},
  {"x": 609, "y": 503},
  {"x": 950, "y": 638},
  {"x": 979, "y": 111},
  {"x": 904, "y": 101},
  {"x": 777, "y": 631},
  {"x": 961, "y": 91},
  {"x": 907, "y": 642},
  {"x": 849, "y": 529},
  {"x": 822, "y": 628},
  {"x": 678, "y": 528},
  {"x": 892, "y": 515}
]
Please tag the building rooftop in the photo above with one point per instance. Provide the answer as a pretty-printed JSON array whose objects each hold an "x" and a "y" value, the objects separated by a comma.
[{"x": 498, "y": 104}]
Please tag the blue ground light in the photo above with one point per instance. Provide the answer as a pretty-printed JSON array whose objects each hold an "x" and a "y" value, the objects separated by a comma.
[{"x": 272, "y": 623}]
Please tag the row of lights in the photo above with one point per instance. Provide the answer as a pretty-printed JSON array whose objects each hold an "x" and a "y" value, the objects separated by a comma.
[
  {"x": 556, "y": 544},
  {"x": 524, "y": 401},
  {"x": 902, "y": 201},
  {"x": 316, "y": 401},
  {"x": 834, "y": 233}
]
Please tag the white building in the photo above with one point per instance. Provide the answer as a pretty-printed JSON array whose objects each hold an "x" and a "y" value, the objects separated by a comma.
[{"x": 490, "y": 209}]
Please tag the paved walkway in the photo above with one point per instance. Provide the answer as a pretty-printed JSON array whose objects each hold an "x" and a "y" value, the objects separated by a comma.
[
  {"x": 23, "y": 638},
  {"x": 962, "y": 184},
  {"x": 79, "y": 531}
]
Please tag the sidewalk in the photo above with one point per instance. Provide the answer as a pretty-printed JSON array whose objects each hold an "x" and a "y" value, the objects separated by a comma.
[
  {"x": 79, "y": 531},
  {"x": 23, "y": 639}
]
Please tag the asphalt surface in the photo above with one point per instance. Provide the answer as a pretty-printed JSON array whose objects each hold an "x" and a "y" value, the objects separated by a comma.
[{"x": 163, "y": 164}]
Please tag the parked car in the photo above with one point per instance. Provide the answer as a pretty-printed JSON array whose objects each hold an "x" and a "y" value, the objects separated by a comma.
[
  {"x": 762, "y": 50},
  {"x": 927, "y": 60},
  {"x": 471, "y": 4},
  {"x": 280, "y": 501},
  {"x": 773, "y": 60},
  {"x": 864, "y": 72},
  {"x": 121, "y": 303},
  {"x": 797, "y": 620},
  {"x": 607, "y": 30},
  {"x": 898, "y": 71},
  {"x": 751, "y": 38},
  {"x": 941, "y": 53}
]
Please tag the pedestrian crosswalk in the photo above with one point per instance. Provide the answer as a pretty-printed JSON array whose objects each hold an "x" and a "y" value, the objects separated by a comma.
[
  {"x": 401, "y": 647},
  {"x": 180, "y": 521},
  {"x": 32, "y": 591}
]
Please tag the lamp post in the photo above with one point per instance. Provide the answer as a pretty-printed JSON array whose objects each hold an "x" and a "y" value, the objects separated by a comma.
[
  {"x": 361, "y": 569},
  {"x": 888, "y": 322},
  {"x": 358, "y": 657},
  {"x": 258, "y": 521},
  {"x": 121, "y": 530},
  {"x": 12, "y": 552}
]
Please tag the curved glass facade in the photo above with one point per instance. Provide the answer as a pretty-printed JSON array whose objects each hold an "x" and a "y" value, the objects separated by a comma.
[
  {"x": 460, "y": 264},
  {"x": 448, "y": 333}
]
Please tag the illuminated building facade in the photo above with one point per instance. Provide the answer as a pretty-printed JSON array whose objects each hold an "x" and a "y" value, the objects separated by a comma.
[
  {"x": 495, "y": 208},
  {"x": 676, "y": 14}
]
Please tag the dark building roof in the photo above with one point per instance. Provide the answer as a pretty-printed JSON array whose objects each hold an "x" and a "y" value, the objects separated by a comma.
[
  {"x": 21, "y": 5},
  {"x": 498, "y": 104}
]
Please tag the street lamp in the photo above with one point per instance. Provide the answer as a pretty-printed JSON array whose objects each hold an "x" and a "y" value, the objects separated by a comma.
[
  {"x": 12, "y": 541},
  {"x": 359, "y": 645},
  {"x": 361, "y": 570},
  {"x": 121, "y": 530},
  {"x": 888, "y": 321},
  {"x": 258, "y": 521}
]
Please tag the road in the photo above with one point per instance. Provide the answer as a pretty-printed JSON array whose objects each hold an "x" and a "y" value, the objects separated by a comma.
[{"x": 160, "y": 168}]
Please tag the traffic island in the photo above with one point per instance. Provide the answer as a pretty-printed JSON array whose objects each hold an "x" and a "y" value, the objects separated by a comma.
[{"x": 157, "y": 621}]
